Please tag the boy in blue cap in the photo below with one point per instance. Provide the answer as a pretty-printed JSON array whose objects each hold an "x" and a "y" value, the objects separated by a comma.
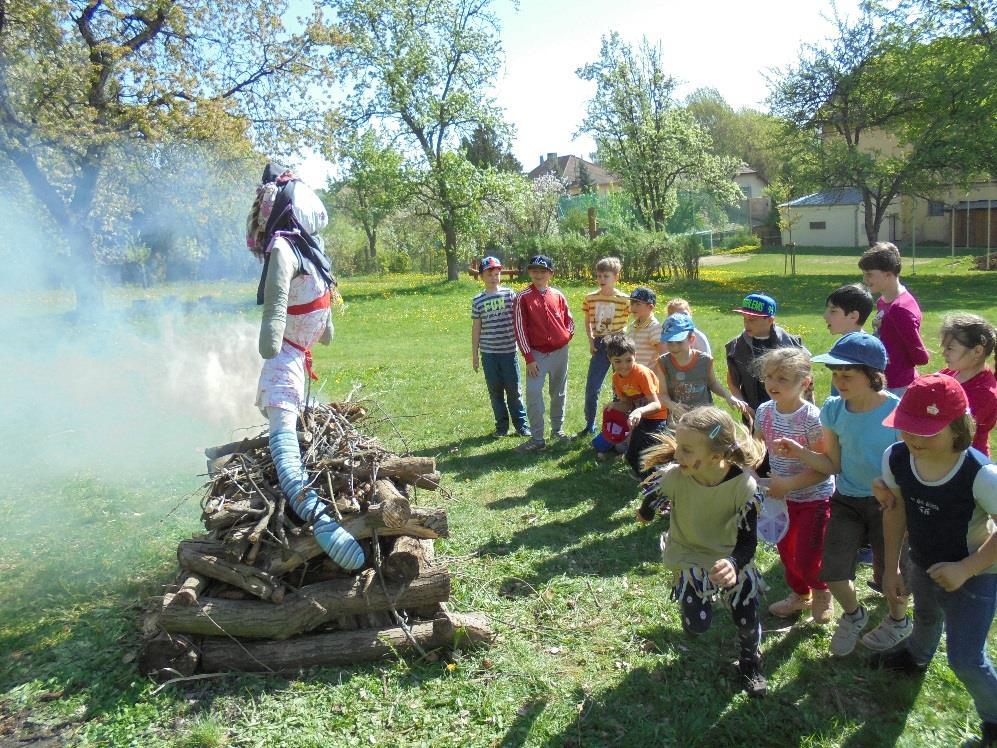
[
  {"x": 492, "y": 335},
  {"x": 761, "y": 334}
]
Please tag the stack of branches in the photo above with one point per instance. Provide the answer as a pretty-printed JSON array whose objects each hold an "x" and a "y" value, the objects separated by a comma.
[{"x": 256, "y": 592}]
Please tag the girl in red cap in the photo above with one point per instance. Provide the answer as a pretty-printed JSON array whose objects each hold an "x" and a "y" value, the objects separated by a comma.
[{"x": 947, "y": 506}]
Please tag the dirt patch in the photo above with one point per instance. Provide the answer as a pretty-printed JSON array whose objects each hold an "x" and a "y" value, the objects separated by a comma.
[{"x": 714, "y": 260}]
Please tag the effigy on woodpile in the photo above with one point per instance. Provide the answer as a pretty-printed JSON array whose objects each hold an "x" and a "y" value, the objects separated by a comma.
[{"x": 255, "y": 592}]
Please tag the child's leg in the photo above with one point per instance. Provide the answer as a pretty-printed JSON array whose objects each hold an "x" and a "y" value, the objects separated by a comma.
[
  {"x": 811, "y": 518},
  {"x": 697, "y": 613},
  {"x": 511, "y": 377},
  {"x": 969, "y": 611},
  {"x": 929, "y": 616},
  {"x": 787, "y": 551},
  {"x": 598, "y": 366},
  {"x": 558, "y": 368},
  {"x": 492, "y": 365},
  {"x": 898, "y": 610},
  {"x": 641, "y": 438},
  {"x": 749, "y": 627},
  {"x": 535, "y": 396},
  {"x": 845, "y": 533}
]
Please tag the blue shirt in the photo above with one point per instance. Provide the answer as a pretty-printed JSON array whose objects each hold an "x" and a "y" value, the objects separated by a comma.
[{"x": 862, "y": 438}]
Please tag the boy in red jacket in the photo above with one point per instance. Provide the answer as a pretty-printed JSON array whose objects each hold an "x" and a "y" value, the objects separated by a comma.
[
  {"x": 897, "y": 323},
  {"x": 543, "y": 327}
]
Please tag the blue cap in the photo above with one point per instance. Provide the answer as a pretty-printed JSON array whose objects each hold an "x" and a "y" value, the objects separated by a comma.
[
  {"x": 855, "y": 349},
  {"x": 644, "y": 294},
  {"x": 757, "y": 305},
  {"x": 488, "y": 263},
  {"x": 541, "y": 261},
  {"x": 677, "y": 327}
]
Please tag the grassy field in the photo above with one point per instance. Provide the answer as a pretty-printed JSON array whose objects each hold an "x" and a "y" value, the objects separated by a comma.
[{"x": 590, "y": 651}]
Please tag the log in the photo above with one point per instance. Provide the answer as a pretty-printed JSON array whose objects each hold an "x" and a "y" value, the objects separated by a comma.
[
  {"x": 342, "y": 647},
  {"x": 167, "y": 656},
  {"x": 406, "y": 469},
  {"x": 231, "y": 512},
  {"x": 201, "y": 557},
  {"x": 409, "y": 558},
  {"x": 248, "y": 445},
  {"x": 304, "y": 610},
  {"x": 425, "y": 522},
  {"x": 394, "y": 508},
  {"x": 191, "y": 586}
]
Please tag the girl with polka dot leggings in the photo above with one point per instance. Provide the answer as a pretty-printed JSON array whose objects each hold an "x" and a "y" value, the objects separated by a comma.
[{"x": 704, "y": 470}]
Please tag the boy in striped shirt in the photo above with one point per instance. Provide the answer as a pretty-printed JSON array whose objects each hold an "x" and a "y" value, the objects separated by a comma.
[
  {"x": 605, "y": 310},
  {"x": 492, "y": 335}
]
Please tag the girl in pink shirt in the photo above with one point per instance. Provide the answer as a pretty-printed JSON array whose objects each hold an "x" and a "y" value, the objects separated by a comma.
[{"x": 967, "y": 342}]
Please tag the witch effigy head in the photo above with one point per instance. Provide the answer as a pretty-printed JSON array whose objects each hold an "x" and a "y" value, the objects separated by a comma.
[{"x": 283, "y": 203}]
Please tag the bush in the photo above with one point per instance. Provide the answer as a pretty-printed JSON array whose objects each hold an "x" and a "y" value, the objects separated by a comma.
[{"x": 742, "y": 238}]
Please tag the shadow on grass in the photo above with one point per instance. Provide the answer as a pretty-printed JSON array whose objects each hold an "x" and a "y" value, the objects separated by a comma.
[{"x": 693, "y": 697}]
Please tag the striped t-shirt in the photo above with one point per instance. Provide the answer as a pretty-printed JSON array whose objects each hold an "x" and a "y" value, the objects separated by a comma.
[
  {"x": 803, "y": 427},
  {"x": 495, "y": 312},
  {"x": 605, "y": 312},
  {"x": 646, "y": 336}
]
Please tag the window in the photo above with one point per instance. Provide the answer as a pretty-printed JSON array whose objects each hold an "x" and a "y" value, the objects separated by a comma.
[
  {"x": 746, "y": 189},
  {"x": 936, "y": 208},
  {"x": 817, "y": 225}
]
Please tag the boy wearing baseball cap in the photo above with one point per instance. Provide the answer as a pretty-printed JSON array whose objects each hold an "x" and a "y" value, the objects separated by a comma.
[
  {"x": 761, "y": 334},
  {"x": 947, "y": 504},
  {"x": 543, "y": 327},
  {"x": 644, "y": 328},
  {"x": 492, "y": 336},
  {"x": 854, "y": 437}
]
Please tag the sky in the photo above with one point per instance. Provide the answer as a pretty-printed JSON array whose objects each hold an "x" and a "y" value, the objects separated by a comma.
[{"x": 724, "y": 44}]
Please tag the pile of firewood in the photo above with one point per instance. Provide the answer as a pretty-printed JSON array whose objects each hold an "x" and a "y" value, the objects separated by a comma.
[{"x": 257, "y": 593}]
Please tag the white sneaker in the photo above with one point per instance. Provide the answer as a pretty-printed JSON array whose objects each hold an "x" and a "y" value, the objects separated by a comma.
[
  {"x": 846, "y": 635},
  {"x": 888, "y": 634}
]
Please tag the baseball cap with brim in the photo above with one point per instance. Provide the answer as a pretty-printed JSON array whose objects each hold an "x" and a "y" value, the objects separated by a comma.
[
  {"x": 855, "y": 349},
  {"x": 541, "y": 261},
  {"x": 757, "y": 305},
  {"x": 930, "y": 404},
  {"x": 643, "y": 294},
  {"x": 488, "y": 263},
  {"x": 677, "y": 327}
]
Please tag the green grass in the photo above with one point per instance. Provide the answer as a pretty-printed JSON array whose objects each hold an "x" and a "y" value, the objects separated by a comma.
[{"x": 590, "y": 651}]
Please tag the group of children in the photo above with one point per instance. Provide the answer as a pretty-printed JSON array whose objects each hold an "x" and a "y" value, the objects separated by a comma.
[{"x": 890, "y": 460}]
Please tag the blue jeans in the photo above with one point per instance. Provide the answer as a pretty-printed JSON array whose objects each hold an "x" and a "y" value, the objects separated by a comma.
[
  {"x": 502, "y": 378},
  {"x": 966, "y": 614},
  {"x": 598, "y": 366}
]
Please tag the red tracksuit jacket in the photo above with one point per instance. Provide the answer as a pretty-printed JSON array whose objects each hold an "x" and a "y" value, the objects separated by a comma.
[{"x": 542, "y": 321}]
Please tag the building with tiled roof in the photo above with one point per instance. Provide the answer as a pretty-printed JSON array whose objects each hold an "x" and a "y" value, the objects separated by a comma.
[{"x": 572, "y": 170}]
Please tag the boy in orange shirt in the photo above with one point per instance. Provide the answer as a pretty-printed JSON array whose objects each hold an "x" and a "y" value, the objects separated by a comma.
[{"x": 636, "y": 386}]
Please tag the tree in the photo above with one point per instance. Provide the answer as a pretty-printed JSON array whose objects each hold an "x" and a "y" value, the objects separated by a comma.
[
  {"x": 893, "y": 105},
  {"x": 377, "y": 183},
  {"x": 85, "y": 81},
  {"x": 485, "y": 148},
  {"x": 426, "y": 69},
  {"x": 644, "y": 137}
]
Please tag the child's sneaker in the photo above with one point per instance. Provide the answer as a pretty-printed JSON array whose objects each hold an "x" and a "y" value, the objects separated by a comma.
[
  {"x": 603, "y": 456},
  {"x": 561, "y": 436},
  {"x": 901, "y": 661},
  {"x": 585, "y": 433},
  {"x": 524, "y": 432},
  {"x": 498, "y": 434},
  {"x": 752, "y": 679},
  {"x": 822, "y": 606},
  {"x": 847, "y": 634},
  {"x": 790, "y": 605},
  {"x": 531, "y": 446},
  {"x": 888, "y": 634}
]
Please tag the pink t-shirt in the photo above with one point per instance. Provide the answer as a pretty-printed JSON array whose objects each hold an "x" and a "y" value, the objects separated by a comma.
[
  {"x": 897, "y": 324},
  {"x": 802, "y": 426},
  {"x": 981, "y": 391}
]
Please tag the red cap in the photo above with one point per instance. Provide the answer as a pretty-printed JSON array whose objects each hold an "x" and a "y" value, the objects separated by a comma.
[
  {"x": 930, "y": 404},
  {"x": 615, "y": 425}
]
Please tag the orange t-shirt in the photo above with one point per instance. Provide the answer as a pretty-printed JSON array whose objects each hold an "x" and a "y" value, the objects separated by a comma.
[{"x": 641, "y": 387}]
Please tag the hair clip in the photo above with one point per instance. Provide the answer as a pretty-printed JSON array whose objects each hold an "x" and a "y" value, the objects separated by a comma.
[{"x": 715, "y": 432}]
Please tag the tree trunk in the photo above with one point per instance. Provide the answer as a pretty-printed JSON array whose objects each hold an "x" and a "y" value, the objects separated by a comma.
[
  {"x": 83, "y": 266},
  {"x": 220, "y": 654},
  {"x": 371, "y": 245},
  {"x": 450, "y": 248},
  {"x": 304, "y": 610}
]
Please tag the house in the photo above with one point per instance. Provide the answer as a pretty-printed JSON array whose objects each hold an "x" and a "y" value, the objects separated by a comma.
[
  {"x": 756, "y": 204},
  {"x": 836, "y": 218},
  {"x": 575, "y": 172}
]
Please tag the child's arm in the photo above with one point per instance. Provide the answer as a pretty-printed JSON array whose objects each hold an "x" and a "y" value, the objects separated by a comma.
[
  {"x": 652, "y": 405},
  {"x": 475, "y": 338},
  {"x": 720, "y": 391},
  {"x": 674, "y": 407},
  {"x": 827, "y": 462},
  {"x": 908, "y": 327},
  {"x": 589, "y": 332},
  {"x": 725, "y": 570},
  {"x": 894, "y": 530}
]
